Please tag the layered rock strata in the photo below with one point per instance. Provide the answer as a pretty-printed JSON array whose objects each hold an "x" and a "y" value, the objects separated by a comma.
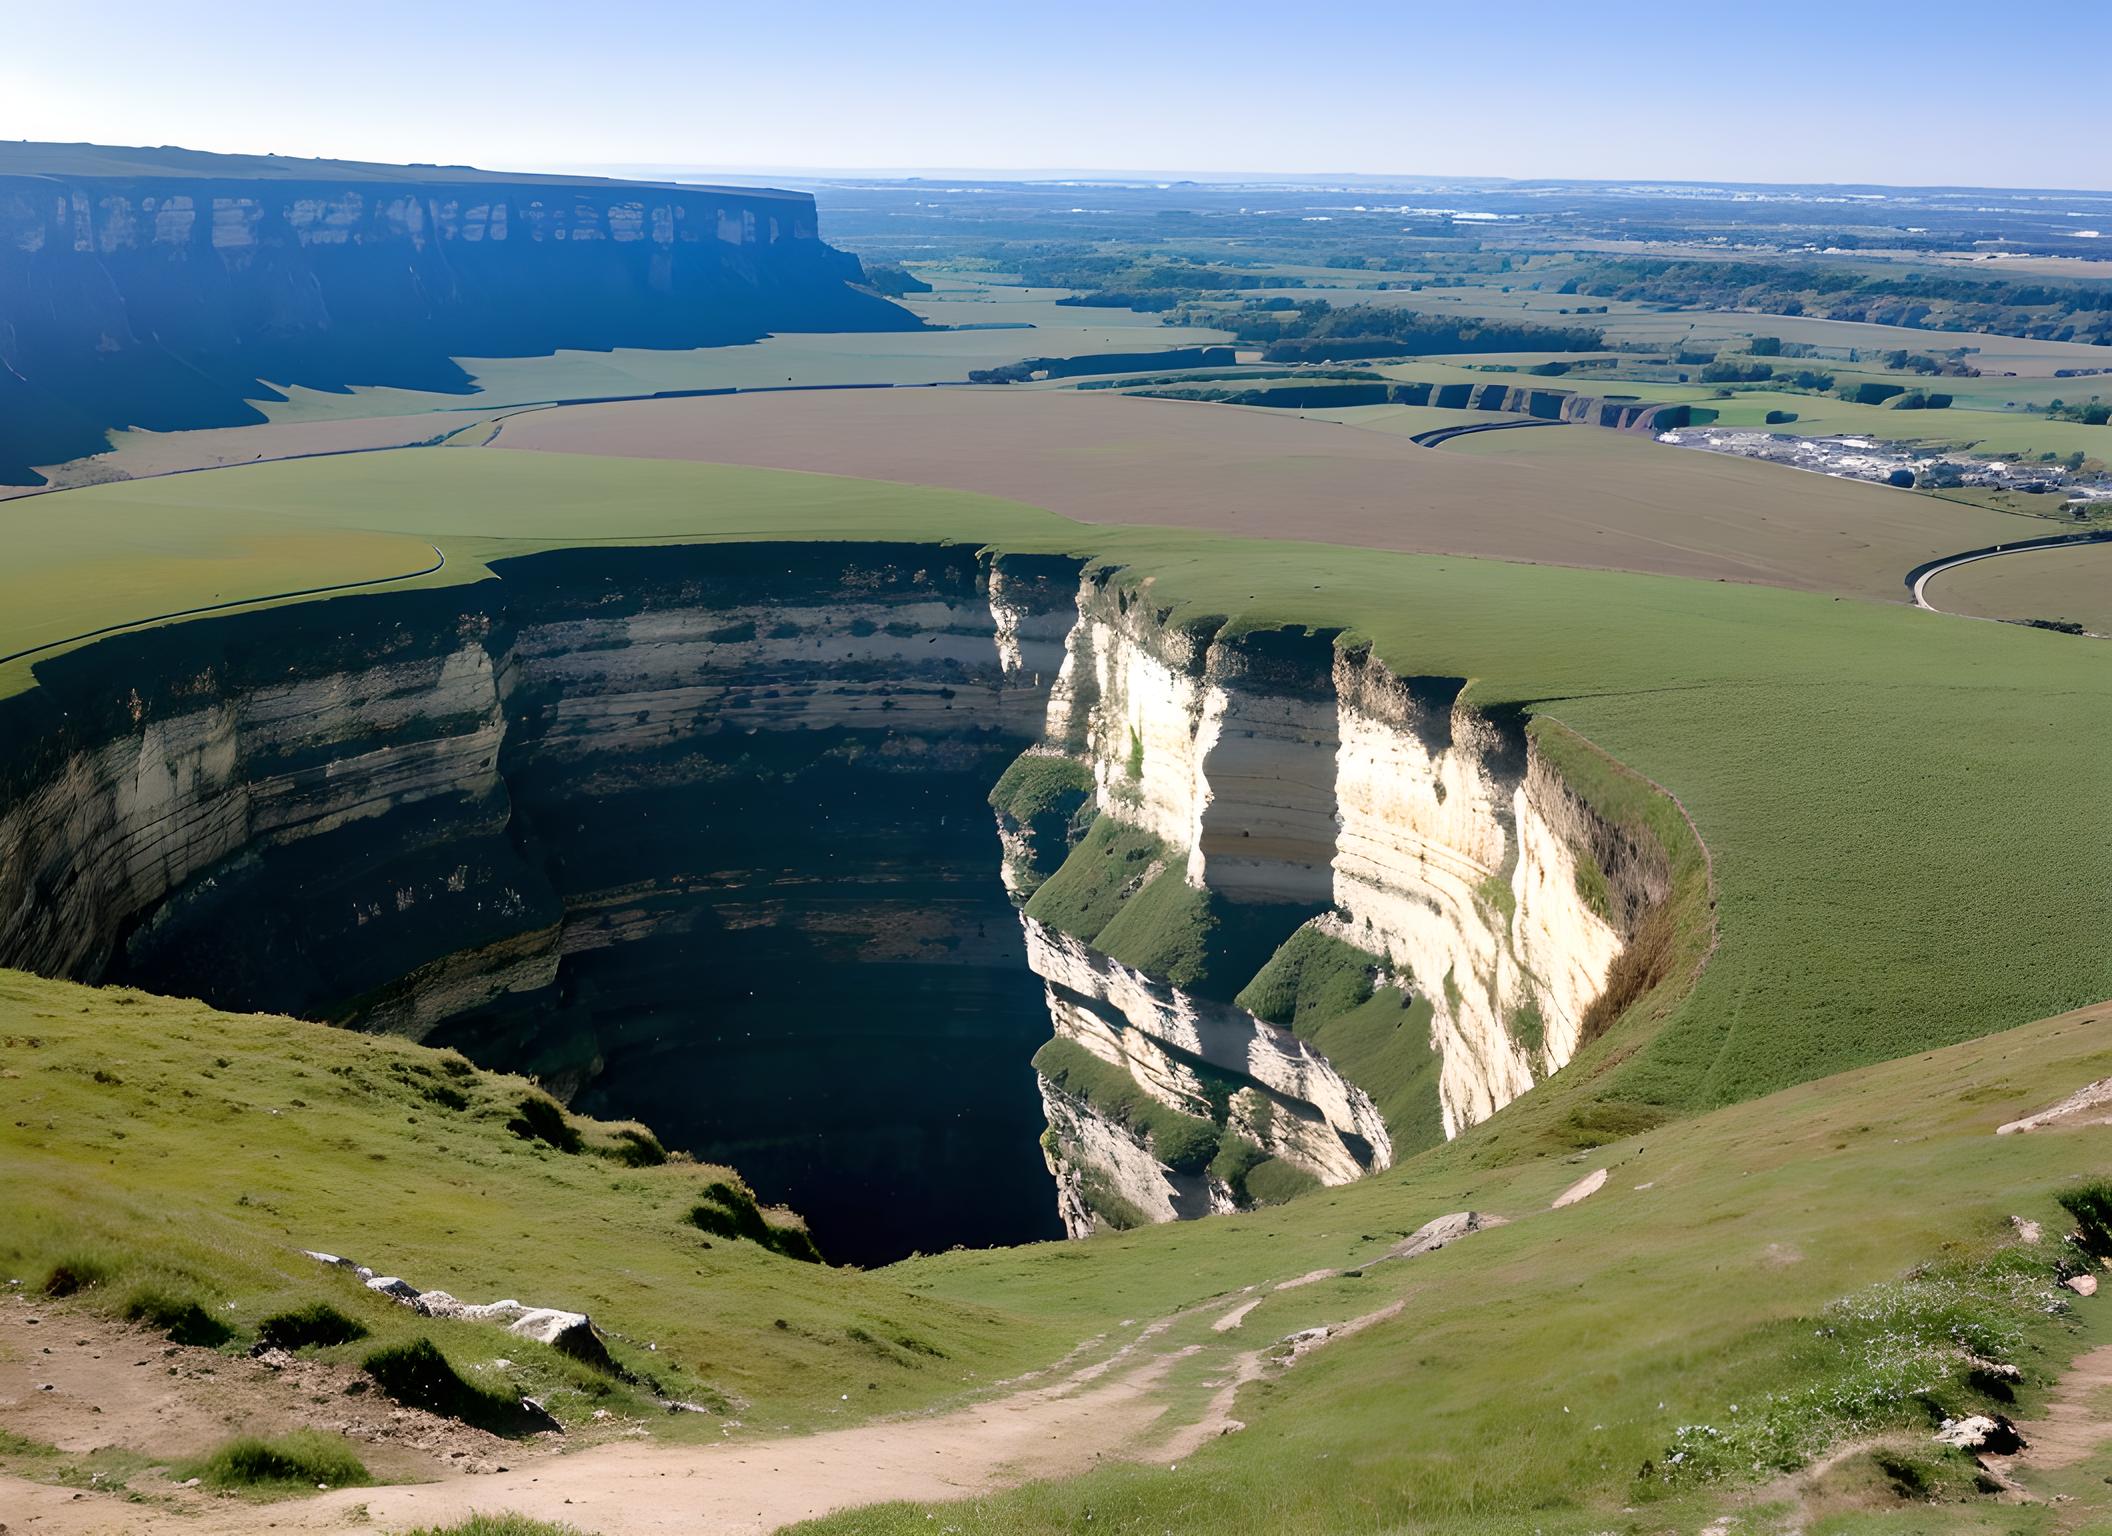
[
  {"x": 164, "y": 289},
  {"x": 699, "y": 836},
  {"x": 1294, "y": 780}
]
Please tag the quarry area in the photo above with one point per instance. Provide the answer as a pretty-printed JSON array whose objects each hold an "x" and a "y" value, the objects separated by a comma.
[{"x": 1858, "y": 458}]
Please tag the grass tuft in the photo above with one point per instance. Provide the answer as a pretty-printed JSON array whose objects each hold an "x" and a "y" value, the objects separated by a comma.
[
  {"x": 541, "y": 1118},
  {"x": 729, "y": 1210},
  {"x": 316, "y": 1325},
  {"x": 417, "y": 1375},
  {"x": 303, "y": 1459},
  {"x": 2091, "y": 1206},
  {"x": 183, "y": 1318},
  {"x": 78, "y": 1272}
]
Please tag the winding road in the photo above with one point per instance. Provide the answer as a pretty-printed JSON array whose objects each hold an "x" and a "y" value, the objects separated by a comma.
[{"x": 1918, "y": 579}]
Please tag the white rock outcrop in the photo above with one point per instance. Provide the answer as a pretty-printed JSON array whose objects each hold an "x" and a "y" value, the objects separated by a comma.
[{"x": 1284, "y": 770}]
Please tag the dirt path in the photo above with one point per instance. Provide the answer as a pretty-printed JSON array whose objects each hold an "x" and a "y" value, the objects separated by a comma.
[
  {"x": 115, "y": 1386},
  {"x": 2076, "y": 1421},
  {"x": 80, "y": 1383}
]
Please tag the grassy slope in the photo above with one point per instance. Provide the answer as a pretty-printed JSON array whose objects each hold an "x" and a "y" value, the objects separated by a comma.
[
  {"x": 1952, "y": 769},
  {"x": 1538, "y": 1366},
  {"x": 222, "y": 1145},
  {"x": 1956, "y": 770}
]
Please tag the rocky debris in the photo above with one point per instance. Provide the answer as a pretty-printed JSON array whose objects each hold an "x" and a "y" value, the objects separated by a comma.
[
  {"x": 1308, "y": 1278},
  {"x": 1991, "y": 1434},
  {"x": 1293, "y": 1347},
  {"x": 2082, "y": 1285},
  {"x": 1583, "y": 1189},
  {"x": 570, "y": 1333},
  {"x": 1433, "y": 1235},
  {"x": 2090, "y": 1105},
  {"x": 1994, "y": 1370},
  {"x": 2027, "y": 1231}
]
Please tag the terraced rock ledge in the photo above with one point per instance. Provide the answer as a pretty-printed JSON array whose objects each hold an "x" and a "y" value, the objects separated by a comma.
[{"x": 701, "y": 835}]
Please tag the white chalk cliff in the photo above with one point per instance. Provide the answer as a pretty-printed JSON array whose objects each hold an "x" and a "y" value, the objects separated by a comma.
[{"x": 1284, "y": 770}]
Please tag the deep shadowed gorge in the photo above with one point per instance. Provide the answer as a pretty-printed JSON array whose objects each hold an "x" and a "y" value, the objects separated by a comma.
[
  {"x": 704, "y": 836},
  {"x": 699, "y": 836}
]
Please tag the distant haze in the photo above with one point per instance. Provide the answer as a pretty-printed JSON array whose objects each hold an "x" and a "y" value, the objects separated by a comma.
[{"x": 1945, "y": 92}]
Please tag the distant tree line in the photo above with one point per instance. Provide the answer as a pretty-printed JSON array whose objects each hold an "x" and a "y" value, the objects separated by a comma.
[
  {"x": 1104, "y": 362},
  {"x": 2091, "y": 413},
  {"x": 1318, "y": 331},
  {"x": 1927, "y": 300}
]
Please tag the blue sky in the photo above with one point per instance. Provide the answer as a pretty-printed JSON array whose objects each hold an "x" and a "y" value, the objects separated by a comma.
[{"x": 1899, "y": 91}]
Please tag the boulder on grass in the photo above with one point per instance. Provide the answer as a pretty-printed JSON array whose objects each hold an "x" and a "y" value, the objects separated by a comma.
[
  {"x": 569, "y": 1333},
  {"x": 1990, "y": 1434}
]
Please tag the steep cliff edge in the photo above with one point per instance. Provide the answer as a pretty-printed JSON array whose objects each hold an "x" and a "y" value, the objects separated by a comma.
[
  {"x": 1327, "y": 916},
  {"x": 700, "y": 830},
  {"x": 702, "y": 835},
  {"x": 167, "y": 289}
]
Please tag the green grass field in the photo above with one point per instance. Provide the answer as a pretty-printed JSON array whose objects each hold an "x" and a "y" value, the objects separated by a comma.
[
  {"x": 1536, "y": 1377},
  {"x": 1537, "y": 1369},
  {"x": 1033, "y": 325},
  {"x": 1909, "y": 842},
  {"x": 160, "y": 1150},
  {"x": 1908, "y": 804}
]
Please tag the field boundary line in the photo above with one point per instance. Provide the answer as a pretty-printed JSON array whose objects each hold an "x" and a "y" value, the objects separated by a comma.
[
  {"x": 439, "y": 562},
  {"x": 1917, "y": 580}
]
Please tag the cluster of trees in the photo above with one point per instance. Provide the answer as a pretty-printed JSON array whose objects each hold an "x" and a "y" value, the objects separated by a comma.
[
  {"x": 1736, "y": 373},
  {"x": 1314, "y": 331},
  {"x": 2091, "y": 413},
  {"x": 1928, "y": 300}
]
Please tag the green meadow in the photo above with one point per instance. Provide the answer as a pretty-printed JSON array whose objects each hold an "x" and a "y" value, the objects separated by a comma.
[
  {"x": 1906, "y": 834},
  {"x": 1907, "y": 812}
]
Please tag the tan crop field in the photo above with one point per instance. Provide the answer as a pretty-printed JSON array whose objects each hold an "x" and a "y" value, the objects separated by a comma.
[
  {"x": 2071, "y": 586},
  {"x": 1107, "y": 458}
]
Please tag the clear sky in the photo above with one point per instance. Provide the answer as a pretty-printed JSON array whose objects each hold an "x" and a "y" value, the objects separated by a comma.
[{"x": 1896, "y": 91}]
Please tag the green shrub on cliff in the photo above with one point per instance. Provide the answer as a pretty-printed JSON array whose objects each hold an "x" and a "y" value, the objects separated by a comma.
[
  {"x": 1048, "y": 800},
  {"x": 1312, "y": 978},
  {"x": 1183, "y": 1142},
  {"x": 1107, "y": 868},
  {"x": 1041, "y": 784},
  {"x": 1163, "y": 930}
]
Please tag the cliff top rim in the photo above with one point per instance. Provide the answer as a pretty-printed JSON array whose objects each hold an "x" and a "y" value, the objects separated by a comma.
[{"x": 44, "y": 160}]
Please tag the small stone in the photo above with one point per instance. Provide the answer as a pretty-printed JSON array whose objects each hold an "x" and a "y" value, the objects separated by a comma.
[{"x": 2082, "y": 1285}]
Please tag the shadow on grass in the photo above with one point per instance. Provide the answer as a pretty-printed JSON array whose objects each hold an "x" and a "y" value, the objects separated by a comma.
[{"x": 417, "y": 1375}]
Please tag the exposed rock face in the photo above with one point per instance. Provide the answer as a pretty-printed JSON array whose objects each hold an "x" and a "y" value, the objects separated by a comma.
[
  {"x": 135, "y": 298},
  {"x": 699, "y": 836},
  {"x": 1304, "y": 781}
]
